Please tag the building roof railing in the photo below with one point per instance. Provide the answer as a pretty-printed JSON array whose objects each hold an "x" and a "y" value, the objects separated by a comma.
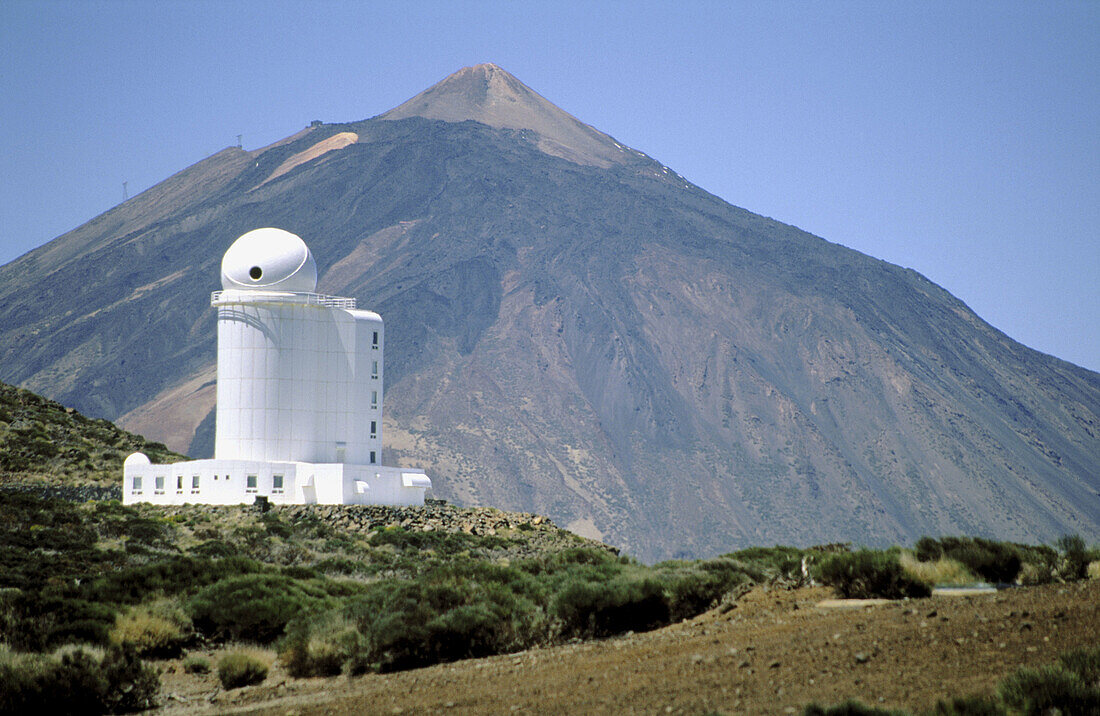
[{"x": 313, "y": 299}]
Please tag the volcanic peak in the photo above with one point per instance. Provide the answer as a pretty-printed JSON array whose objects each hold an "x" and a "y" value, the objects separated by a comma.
[{"x": 490, "y": 95}]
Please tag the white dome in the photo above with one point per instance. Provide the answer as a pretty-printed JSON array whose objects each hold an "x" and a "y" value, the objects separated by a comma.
[
  {"x": 270, "y": 259},
  {"x": 135, "y": 458}
]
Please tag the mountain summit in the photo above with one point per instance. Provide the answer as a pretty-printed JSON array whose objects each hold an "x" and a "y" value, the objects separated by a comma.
[
  {"x": 490, "y": 95},
  {"x": 572, "y": 329}
]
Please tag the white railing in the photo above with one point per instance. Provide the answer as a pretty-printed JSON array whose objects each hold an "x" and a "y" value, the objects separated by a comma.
[{"x": 315, "y": 299}]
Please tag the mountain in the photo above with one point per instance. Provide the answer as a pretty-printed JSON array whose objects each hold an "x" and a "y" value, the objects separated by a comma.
[
  {"x": 576, "y": 330},
  {"x": 491, "y": 96}
]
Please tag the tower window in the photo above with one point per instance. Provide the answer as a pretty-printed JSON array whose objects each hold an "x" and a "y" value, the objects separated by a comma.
[
  {"x": 374, "y": 428},
  {"x": 373, "y": 457},
  {"x": 374, "y": 340},
  {"x": 374, "y": 398},
  {"x": 374, "y": 369},
  {"x": 255, "y": 273}
]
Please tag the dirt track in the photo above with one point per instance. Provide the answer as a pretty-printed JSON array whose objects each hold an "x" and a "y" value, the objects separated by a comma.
[{"x": 774, "y": 653}]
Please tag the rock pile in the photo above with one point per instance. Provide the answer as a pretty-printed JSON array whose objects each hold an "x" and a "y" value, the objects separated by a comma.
[{"x": 70, "y": 493}]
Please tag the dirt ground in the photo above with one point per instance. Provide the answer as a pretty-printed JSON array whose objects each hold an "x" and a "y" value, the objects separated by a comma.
[{"x": 775, "y": 652}]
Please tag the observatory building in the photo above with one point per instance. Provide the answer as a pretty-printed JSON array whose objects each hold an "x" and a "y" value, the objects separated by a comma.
[{"x": 299, "y": 413}]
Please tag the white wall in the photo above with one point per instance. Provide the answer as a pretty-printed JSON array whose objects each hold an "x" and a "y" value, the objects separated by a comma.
[
  {"x": 226, "y": 482},
  {"x": 296, "y": 380}
]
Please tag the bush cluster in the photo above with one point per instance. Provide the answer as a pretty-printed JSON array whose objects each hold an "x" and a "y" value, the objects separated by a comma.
[
  {"x": 76, "y": 682},
  {"x": 1006, "y": 562},
  {"x": 849, "y": 708},
  {"x": 996, "y": 562},
  {"x": 468, "y": 608},
  {"x": 867, "y": 573},
  {"x": 253, "y": 607}
]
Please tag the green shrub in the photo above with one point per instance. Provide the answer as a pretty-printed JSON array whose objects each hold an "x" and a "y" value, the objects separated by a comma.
[
  {"x": 869, "y": 573},
  {"x": 1075, "y": 557},
  {"x": 253, "y": 607},
  {"x": 196, "y": 665},
  {"x": 448, "y": 614},
  {"x": 36, "y": 682},
  {"x": 132, "y": 686},
  {"x": 694, "y": 587},
  {"x": 850, "y": 707},
  {"x": 276, "y": 527},
  {"x": 777, "y": 562},
  {"x": 76, "y": 682},
  {"x": 133, "y": 585},
  {"x": 240, "y": 668},
  {"x": 969, "y": 706},
  {"x": 436, "y": 541},
  {"x": 1084, "y": 662},
  {"x": 215, "y": 549},
  {"x": 595, "y": 609},
  {"x": 40, "y": 622},
  {"x": 996, "y": 562},
  {"x": 1041, "y": 690},
  {"x": 320, "y": 646}
]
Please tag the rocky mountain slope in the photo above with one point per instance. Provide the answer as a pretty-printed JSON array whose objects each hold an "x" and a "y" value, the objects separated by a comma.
[
  {"x": 42, "y": 439},
  {"x": 575, "y": 330}
]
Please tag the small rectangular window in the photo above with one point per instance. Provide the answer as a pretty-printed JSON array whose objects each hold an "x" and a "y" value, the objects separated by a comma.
[
  {"x": 374, "y": 398},
  {"x": 374, "y": 428},
  {"x": 373, "y": 459},
  {"x": 277, "y": 484},
  {"x": 250, "y": 483},
  {"x": 179, "y": 483},
  {"x": 374, "y": 340},
  {"x": 158, "y": 485},
  {"x": 137, "y": 485},
  {"x": 374, "y": 369},
  {"x": 194, "y": 484}
]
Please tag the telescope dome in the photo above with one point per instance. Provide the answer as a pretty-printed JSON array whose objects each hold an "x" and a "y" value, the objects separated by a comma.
[{"x": 269, "y": 259}]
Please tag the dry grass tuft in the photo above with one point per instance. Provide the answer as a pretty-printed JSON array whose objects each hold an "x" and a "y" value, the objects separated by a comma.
[
  {"x": 1094, "y": 570},
  {"x": 157, "y": 629},
  {"x": 944, "y": 571},
  {"x": 243, "y": 667}
]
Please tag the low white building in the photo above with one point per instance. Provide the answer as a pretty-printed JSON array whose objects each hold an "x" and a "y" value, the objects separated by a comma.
[{"x": 299, "y": 396}]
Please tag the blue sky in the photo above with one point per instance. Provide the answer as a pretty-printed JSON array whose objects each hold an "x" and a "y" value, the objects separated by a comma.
[{"x": 958, "y": 139}]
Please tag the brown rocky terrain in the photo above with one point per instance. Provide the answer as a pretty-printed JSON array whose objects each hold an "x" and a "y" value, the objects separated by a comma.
[{"x": 773, "y": 653}]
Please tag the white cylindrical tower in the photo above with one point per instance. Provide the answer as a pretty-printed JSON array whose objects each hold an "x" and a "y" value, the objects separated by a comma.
[{"x": 299, "y": 374}]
